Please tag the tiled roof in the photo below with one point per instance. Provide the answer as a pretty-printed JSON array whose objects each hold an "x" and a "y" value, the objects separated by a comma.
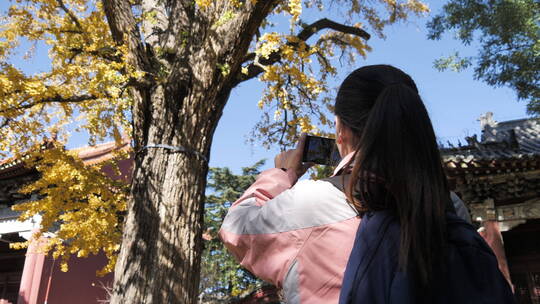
[
  {"x": 508, "y": 140},
  {"x": 11, "y": 164},
  {"x": 90, "y": 155},
  {"x": 15, "y": 173}
]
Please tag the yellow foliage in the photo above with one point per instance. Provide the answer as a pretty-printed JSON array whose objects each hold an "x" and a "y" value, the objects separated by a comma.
[
  {"x": 203, "y": 4},
  {"x": 87, "y": 76},
  {"x": 87, "y": 85},
  {"x": 79, "y": 204},
  {"x": 294, "y": 83}
]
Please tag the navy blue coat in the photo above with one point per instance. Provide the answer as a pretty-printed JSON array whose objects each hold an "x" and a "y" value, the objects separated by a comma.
[{"x": 372, "y": 275}]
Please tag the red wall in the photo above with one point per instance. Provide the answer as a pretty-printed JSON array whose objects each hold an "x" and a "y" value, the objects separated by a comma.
[
  {"x": 43, "y": 282},
  {"x": 79, "y": 285}
]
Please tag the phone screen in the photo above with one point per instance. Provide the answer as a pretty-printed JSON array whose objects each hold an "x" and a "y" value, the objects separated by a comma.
[{"x": 321, "y": 150}]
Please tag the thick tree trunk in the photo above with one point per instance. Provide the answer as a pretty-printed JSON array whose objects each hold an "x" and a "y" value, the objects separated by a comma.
[
  {"x": 177, "y": 104},
  {"x": 159, "y": 260},
  {"x": 191, "y": 58},
  {"x": 160, "y": 255}
]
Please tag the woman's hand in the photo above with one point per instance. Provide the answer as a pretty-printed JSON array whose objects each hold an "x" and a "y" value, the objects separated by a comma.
[{"x": 292, "y": 159}]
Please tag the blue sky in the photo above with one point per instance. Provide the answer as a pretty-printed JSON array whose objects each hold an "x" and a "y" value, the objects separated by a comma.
[{"x": 454, "y": 100}]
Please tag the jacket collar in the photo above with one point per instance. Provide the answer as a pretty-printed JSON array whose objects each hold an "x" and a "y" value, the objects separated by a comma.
[{"x": 342, "y": 163}]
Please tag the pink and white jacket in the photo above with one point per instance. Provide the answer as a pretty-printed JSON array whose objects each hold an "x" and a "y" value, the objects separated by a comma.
[{"x": 297, "y": 236}]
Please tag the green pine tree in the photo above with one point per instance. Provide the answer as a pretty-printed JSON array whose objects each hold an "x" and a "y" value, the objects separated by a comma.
[{"x": 222, "y": 278}]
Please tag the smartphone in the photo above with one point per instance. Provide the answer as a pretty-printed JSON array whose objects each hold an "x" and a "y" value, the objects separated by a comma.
[{"x": 321, "y": 150}]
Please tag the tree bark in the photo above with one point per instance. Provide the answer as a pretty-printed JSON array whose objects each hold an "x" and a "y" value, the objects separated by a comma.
[
  {"x": 161, "y": 246},
  {"x": 177, "y": 104},
  {"x": 162, "y": 243}
]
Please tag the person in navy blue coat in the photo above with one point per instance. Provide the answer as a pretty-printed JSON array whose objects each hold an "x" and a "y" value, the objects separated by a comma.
[
  {"x": 410, "y": 246},
  {"x": 373, "y": 276}
]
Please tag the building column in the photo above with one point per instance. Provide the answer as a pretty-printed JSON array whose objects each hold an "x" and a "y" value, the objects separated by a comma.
[
  {"x": 492, "y": 235},
  {"x": 31, "y": 277}
]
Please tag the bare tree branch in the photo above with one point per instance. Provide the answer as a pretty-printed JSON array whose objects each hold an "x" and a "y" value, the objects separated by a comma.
[
  {"x": 108, "y": 53},
  {"x": 6, "y": 122},
  {"x": 70, "y": 14},
  {"x": 254, "y": 69},
  {"x": 54, "y": 99},
  {"x": 323, "y": 59},
  {"x": 70, "y": 31},
  {"x": 325, "y": 23},
  {"x": 239, "y": 34},
  {"x": 122, "y": 24}
]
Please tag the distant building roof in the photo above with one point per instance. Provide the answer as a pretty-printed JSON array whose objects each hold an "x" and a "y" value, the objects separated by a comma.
[
  {"x": 503, "y": 166},
  {"x": 499, "y": 142},
  {"x": 90, "y": 155}
]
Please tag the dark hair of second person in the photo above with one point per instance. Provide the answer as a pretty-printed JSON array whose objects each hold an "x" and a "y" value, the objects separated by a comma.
[{"x": 396, "y": 144}]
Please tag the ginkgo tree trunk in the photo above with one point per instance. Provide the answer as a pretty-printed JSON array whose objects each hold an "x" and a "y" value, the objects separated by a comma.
[
  {"x": 179, "y": 60},
  {"x": 160, "y": 253}
]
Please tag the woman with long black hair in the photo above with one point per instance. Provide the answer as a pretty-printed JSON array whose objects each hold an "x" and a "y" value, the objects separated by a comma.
[
  {"x": 305, "y": 238},
  {"x": 410, "y": 247}
]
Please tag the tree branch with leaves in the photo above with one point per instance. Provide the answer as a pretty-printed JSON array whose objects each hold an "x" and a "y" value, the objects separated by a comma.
[
  {"x": 508, "y": 34},
  {"x": 162, "y": 71}
]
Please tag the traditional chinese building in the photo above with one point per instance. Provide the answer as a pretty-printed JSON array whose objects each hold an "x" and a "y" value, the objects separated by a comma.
[
  {"x": 29, "y": 276},
  {"x": 498, "y": 177}
]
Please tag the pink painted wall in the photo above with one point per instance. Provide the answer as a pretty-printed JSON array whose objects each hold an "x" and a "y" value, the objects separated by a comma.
[
  {"x": 126, "y": 170},
  {"x": 79, "y": 285},
  {"x": 43, "y": 282}
]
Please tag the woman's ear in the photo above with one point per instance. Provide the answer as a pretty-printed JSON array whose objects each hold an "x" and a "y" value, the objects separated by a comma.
[
  {"x": 339, "y": 137},
  {"x": 339, "y": 131},
  {"x": 345, "y": 138},
  {"x": 343, "y": 133}
]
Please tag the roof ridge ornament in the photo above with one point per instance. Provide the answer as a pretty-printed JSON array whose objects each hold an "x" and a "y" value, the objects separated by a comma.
[
  {"x": 487, "y": 120},
  {"x": 472, "y": 140},
  {"x": 489, "y": 128}
]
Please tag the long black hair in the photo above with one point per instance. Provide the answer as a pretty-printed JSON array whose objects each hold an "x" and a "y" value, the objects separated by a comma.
[{"x": 397, "y": 149}]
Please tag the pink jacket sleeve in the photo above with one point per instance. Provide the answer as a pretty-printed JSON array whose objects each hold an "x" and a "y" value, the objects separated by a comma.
[
  {"x": 268, "y": 185},
  {"x": 250, "y": 231}
]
